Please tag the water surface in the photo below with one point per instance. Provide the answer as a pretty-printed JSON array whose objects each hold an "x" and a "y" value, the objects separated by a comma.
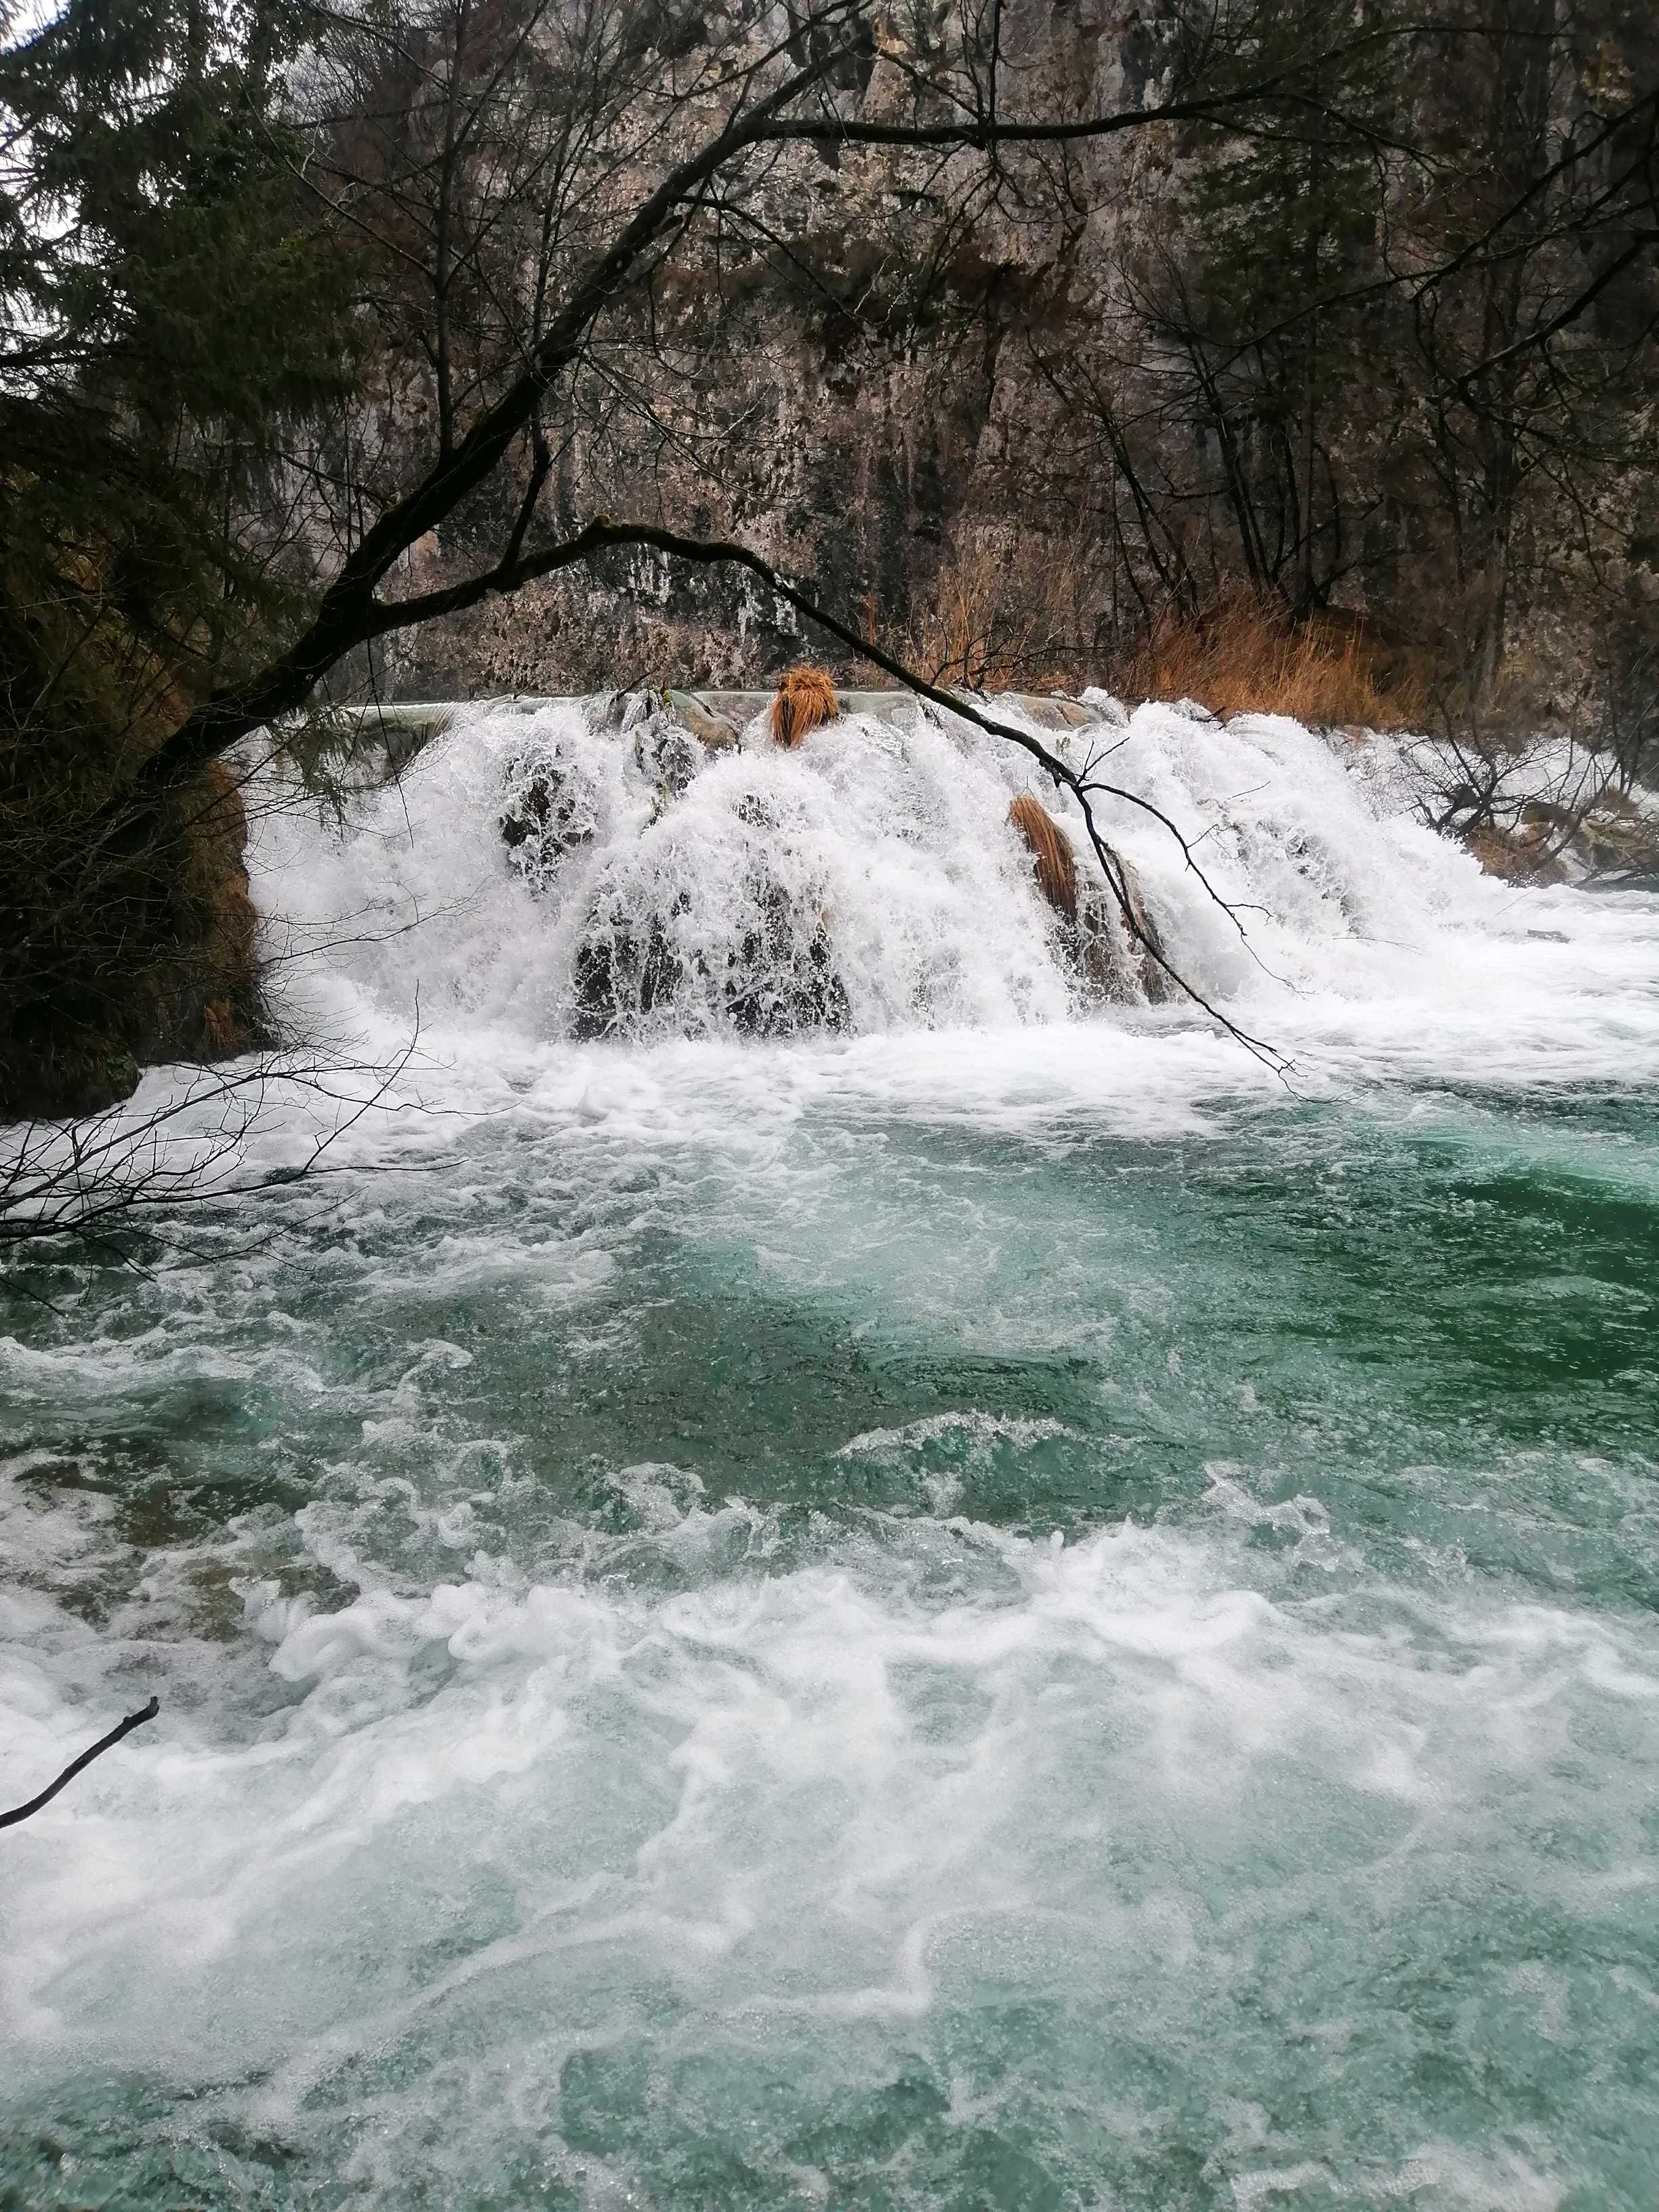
[{"x": 1000, "y": 1611}]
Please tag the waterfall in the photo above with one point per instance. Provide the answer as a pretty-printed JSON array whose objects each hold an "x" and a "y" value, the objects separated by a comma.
[{"x": 594, "y": 867}]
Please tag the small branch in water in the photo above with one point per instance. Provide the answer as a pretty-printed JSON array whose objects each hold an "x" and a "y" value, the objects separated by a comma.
[{"x": 122, "y": 1728}]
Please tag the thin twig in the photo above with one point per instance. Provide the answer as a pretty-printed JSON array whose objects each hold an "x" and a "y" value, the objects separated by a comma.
[{"x": 103, "y": 1743}]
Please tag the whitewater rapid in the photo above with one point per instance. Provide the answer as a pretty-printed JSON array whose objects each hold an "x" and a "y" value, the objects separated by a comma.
[
  {"x": 994, "y": 1606},
  {"x": 1326, "y": 915}
]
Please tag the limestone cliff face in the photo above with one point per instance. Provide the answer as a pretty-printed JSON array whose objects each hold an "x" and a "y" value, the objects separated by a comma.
[
  {"x": 953, "y": 397},
  {"x": 868, "y": 412}
]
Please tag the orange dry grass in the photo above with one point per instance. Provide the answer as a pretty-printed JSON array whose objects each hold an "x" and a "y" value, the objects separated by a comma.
[
  {"x": 1053, "y": 864},
  {"x": 1240, "y": 657},
  {"x": 806, "y": 701}
]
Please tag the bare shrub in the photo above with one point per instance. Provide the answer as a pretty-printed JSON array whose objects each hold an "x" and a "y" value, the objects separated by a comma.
[
  {"x": 93, "y": 1185},
  {"x": 1513, "y": 774},
  {"x": 1002, "y": 617}
]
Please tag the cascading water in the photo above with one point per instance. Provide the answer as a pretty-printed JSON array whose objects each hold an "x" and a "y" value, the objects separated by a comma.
[
  {"x": 840, "y": 1564},
  {"x": 587, "y": 866}
]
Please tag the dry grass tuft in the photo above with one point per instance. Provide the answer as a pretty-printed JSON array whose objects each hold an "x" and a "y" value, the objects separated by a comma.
[
  {"x": 1020, "y": 615},
  {"x": 1053, "y": 863},
  {"x": 1240, "y": 657},
  {"x": 806, "y": 701}
]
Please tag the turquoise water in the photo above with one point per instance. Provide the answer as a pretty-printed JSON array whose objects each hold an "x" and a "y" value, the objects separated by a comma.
[{"x": 1004, "y": 1617}]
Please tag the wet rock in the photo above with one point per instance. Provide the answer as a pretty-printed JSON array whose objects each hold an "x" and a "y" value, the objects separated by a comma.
[
  {"x": 777, "y": 979},
  {"x": 1103, "y": 707},
  {"x": 1518, "y": 855},
  {"x": 783, "y": 980},
  {"x": 667, "y": 755},
  {"x": 715, "y": 732},
  {"x": 737, "y": 709},
  {"x": 549, "y": 810},
  {"x": 674, "y": 737},
  {"x": 623, "y": 974},
  {"x": 1156, "y": 982},
  {"x": 1617, "y": 844},
  {"x": 1119, "y": 956},
  {"x": 1046, "y": 712},
  {"x": 1194, "y": 710},
  {"x": 884, "y": 706},
  {"x": 609, "y": 710}
]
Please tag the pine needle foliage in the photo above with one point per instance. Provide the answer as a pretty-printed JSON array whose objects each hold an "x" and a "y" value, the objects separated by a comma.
[{"x": 171, "y": 309}]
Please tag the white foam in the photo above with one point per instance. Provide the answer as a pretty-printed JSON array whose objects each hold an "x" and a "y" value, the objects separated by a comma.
[
  {"x": 850, "y": 1792},
  {"x": 1373, "y": 952}
]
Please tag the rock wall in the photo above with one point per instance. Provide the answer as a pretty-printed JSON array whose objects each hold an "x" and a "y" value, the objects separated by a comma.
[
  {"x": 864, "y": 411},
  {"x": 888, "y": 401}
]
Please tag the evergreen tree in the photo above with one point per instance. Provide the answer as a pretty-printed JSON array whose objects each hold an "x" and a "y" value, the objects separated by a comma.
[{"x": 169, "y": 309}]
